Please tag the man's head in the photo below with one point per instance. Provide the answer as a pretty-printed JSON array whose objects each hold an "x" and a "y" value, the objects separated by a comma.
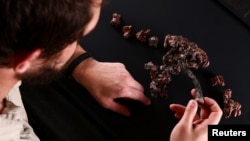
[{"x": 41, "y": 35}]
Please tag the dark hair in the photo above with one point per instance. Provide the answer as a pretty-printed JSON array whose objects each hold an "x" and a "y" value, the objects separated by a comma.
[{"x": 46, "y": 24}]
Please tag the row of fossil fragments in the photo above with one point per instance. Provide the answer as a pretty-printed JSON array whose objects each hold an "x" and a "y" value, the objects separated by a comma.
[{"x": 181, "y": 56}]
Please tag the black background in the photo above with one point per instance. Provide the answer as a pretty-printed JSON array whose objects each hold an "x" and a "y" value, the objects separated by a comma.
[{"x": 63, "y": 110}]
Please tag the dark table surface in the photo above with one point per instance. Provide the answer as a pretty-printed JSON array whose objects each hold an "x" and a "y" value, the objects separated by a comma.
[{"x": 65, "y": 111}]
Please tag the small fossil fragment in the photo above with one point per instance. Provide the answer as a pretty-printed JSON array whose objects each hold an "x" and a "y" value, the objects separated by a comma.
[
  {"x": 218, "y": 80},
  {"x": 153, "y": 41},
  {"x": 159, "y": 79},
  {"x": 116, "y": 20},
  {"x": 231, "y": 107},
  {"x": 143, "y": 35},
  {"x": 127, "y": 31}
]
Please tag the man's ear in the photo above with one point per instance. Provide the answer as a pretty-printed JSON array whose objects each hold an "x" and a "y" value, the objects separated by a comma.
[{"x": 23, "y": 62}]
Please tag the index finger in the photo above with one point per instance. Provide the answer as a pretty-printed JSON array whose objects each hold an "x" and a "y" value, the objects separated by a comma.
[
  {"x": 135, "y": 94},
  {"x": 213, "y": 109}
]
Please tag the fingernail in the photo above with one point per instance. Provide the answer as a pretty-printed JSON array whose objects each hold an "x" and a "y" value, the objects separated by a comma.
[{"x": 192, "y": 103}]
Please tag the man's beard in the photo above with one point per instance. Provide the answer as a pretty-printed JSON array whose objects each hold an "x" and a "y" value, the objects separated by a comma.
[{"x": 42, "y": 76}]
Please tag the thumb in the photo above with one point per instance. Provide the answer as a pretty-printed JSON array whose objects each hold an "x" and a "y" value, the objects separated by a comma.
[{"x": 190, "y": 112}]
